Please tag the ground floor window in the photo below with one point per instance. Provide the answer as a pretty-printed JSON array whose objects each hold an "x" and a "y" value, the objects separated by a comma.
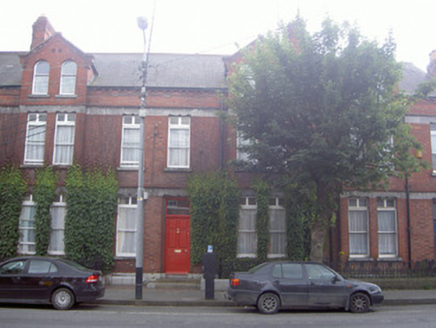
[
  {"x": 247, "y": 235},
  {"x": 126, "y": 227},
  {"x": 358, "y": 227},
  {"x": 58, "y": 212},
  {"x": 26, "y": 243},
  {"x": 387, "y": 227},
  {"x": 277, "y": 228}
]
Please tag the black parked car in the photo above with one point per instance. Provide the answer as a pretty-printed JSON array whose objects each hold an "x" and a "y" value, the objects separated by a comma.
[
  {"x": 45, "y": 280},
  {"x": 275, "y": 285}
]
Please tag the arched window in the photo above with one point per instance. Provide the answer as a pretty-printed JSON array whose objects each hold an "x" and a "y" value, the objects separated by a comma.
[
  {"x": 68, "y": 78},
  {"x": 40, "y": 78}
]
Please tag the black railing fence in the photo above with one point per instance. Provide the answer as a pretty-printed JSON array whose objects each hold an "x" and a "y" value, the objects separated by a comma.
[{"x": 386, "y": 269}]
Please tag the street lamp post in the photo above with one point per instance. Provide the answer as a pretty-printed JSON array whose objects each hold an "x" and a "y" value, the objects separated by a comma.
[{"x": 142, "y": 24}]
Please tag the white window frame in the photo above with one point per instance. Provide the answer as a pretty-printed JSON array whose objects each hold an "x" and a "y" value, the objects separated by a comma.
[
  {"x": 36, "y": 126},
  {"x": 276, "y": 207},
  {"x": 433, "y": 146},
  {"x": 177, "y": 123},
  {"x": 126, "y": 203},
  {"x": 130, "y": 145},
  {"x": 25, "y": 245},
  {"x": 248, "y": 204},
  {"x": 40, "y": 79},
  {"x": 68, "y": 78},
  {"x": 56, "y": 227},
  {"x": 388, "y": 205},
  {"x": 361, "y": 206},
  {"x": 64, "y": 120}
]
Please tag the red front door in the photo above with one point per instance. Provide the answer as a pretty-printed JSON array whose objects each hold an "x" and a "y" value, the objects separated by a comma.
[{"x": 177, "y": 244}]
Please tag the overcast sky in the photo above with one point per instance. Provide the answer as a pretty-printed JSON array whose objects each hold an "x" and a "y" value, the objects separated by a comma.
[{"x": 214, "y": 26}]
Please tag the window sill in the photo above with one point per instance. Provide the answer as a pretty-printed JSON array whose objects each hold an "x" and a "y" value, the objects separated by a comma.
[
  {"x": 62, "y": 166},
  {"x": 38, "y": 96},
  {"x": 124, "y": 257},
  {"x": 31, "y": 165},
  {"x": 66, "y": 96},
  {"x": 177, "y": 170},
  {"x": 128, "y": 168},
  {"x": 389, "y": 259},
  {"x": 242, "y": 256},
  {"x": 360, "y": 259}
]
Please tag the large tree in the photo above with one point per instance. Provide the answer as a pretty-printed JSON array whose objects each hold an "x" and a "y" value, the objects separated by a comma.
[{"x": 323, "y": 111}]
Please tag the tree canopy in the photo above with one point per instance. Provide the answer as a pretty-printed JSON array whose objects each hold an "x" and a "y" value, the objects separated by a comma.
[{"x": 322, "y": 109}]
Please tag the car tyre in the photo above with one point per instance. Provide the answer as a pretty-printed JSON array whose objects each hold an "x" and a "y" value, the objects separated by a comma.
[
  {"x": 62, "y": 299},
  {"x": 359, "y": 303},
  {"x": 268, "y": 303}
]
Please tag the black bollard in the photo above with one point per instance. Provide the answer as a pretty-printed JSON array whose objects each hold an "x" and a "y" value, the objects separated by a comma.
[{"x": 209, "y": 272}]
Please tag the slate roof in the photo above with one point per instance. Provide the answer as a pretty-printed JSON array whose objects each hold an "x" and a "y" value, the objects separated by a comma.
[
  {"x": 412, "y": 77},
  {"x": 10, "y": 68},
  {"x": 122, "y": 70},
  {"x": 166, "y": 71}
]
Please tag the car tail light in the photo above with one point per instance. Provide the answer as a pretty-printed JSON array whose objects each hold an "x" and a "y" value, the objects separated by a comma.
[
  {"x": 92, "y": 278},
  {"x": 234, "y": 282}
]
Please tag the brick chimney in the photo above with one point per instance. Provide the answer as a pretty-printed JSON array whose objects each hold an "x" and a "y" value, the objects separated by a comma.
[{"x": 42, "y": 30}]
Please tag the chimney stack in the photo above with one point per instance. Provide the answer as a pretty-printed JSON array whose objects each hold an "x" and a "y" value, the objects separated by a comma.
[{"x": 42, "y": 30}]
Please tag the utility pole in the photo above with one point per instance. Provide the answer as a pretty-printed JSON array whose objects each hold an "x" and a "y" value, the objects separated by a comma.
[{"x": 142, "y": 24}]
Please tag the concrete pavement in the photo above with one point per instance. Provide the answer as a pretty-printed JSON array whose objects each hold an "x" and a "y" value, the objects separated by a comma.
[{"x": 125, "y": 295}]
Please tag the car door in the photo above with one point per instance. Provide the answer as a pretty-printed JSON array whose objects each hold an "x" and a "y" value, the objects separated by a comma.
[
  {"x": 11, "y": 283},
  {"x": 289, "y": 281},
  {"x": 326, "y": 288},
  {"x": 38, "y": 278}
]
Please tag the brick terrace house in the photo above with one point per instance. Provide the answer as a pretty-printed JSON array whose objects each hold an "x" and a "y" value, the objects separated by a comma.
[{"x": 84, "y": 107}]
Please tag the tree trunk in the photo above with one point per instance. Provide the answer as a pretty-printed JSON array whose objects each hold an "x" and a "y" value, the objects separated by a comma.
[
  {"x": 319, "y": 227},
  {"x": 317, "y": 240}
]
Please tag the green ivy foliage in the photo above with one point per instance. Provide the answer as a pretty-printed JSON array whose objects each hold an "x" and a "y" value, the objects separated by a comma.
[
  {"x": 43, "y": 195},
  {"x": 214, "y": 214},
  {"x": 89, "y": 223},
  {"x": 12, "y": 189},
  {"x": 299, "y": 218},
  {"x": 262, "y": 218}
]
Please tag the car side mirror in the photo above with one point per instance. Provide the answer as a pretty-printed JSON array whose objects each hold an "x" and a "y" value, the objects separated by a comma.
[{"x": 335, "y": 279}]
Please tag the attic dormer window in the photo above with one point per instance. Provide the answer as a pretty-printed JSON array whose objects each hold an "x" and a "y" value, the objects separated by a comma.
[
  {"x": 40, "y": 78},
  {"x": 68, "y": 78}
]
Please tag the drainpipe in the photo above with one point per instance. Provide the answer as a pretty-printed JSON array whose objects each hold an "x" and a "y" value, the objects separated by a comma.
[
  {"x": 409, "y": 239},
  {"x": 221, "y": 136}
]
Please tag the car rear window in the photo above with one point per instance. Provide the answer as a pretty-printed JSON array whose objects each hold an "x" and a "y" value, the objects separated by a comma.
[
  {"x": 42, "y": 266},
  {"x": 74, "y": 265},
  {"x": 257, "y": 268}
]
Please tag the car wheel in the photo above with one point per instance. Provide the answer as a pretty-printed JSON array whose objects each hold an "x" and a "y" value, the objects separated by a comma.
[
  {"x": 62, "y": 299},
  {"x": 268, "y": 303},
  {"x": 359, "y": 303}
]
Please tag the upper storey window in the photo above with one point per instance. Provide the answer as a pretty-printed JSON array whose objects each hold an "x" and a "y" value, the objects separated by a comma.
[
  {"x": 40, "y": 78},
  {"x": 68, "y": 78},
  {"x": 179, "y": 142}
]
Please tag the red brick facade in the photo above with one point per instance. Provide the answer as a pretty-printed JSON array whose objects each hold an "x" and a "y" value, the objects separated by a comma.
[{"x": 100, "y": 104}]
